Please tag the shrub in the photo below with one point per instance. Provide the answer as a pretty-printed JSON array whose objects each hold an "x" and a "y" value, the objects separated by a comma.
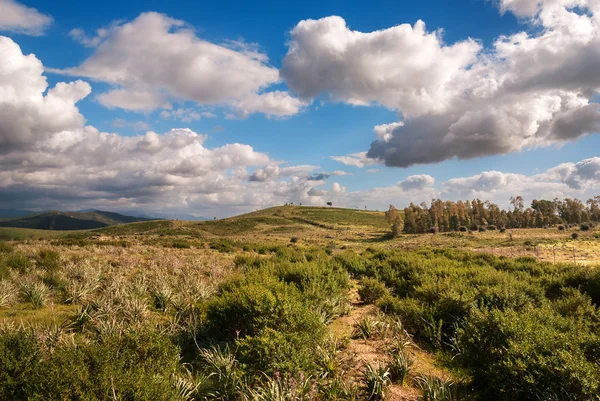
[
  {"x": 48, "y": 260},
  {"x": 433, "y": 230},
  {"x": 371, "y": 290},
  {"x": 482, "y": 229},
  {"x": 266, "y": 318},
  {"x": 575, "y": 235},
  {"x": 294, "y": 240},
  {"x": 530, "y": 356},
  {"x": 492, "y": 227},
  {"x": 503, "y": 230},
  {"x": 463, "y": 229},
  {"x": 584, "y": 227},
  {"x": 561, "y": 228},
  {"x": 224, "y": 245},
  {"x": 19, "y": 262},
  {"x": 181, "y": 244},
  {"x": 5, "y": 247}
]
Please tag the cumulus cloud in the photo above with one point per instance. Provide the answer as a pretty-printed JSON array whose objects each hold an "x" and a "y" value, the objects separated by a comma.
[
  {"x": 49, "y": 158},
  {"x": 155, "y": 59},
  {"x": 459, "y": 100},
  {"x": 28, "y": 112},
  {"x": 417, "y": 182},
  {"x": 15, "y": 17}
]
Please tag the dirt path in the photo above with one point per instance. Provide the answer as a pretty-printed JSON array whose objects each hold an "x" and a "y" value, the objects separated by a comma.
[{"x": 360, "y": 352}]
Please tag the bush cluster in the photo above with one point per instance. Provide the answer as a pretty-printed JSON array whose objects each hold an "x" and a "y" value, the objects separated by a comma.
[{"x": 524, "y": 330}]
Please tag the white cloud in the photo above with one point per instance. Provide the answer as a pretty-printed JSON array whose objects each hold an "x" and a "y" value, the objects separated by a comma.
[
  {"x": 143, "y": 101},
  {"x": 417, "y": 182},
  {"x": 29, "y": 113},
  {"x": 359, "y": 159},
  {"x": 337, "y": 189},
  {"x": 154, "y": 59},
  {"x": 372, "y": 171},
  {"x": 50, "y": 159},
  {"x": 459, "y": 100},
  {"x": 186, "y": 115},
  {"x": 385, "y": 131},
  {"x": 15, "y": 17}
]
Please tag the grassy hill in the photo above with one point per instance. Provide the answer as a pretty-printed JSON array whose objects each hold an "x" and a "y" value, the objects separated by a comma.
[{"x": 61, "y": 221}]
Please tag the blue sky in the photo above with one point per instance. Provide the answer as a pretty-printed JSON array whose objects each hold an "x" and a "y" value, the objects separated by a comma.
[{"x": 473, "y": 91}]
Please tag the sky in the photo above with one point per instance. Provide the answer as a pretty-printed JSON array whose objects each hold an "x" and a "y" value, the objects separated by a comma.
[{"x": 180, "y": 109}]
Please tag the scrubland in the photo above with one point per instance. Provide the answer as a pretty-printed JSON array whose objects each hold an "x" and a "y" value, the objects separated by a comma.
[{"x": 298, "y": 303}]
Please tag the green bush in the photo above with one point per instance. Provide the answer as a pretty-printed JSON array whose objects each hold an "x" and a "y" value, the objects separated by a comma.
[
  {"x": 133, "y": 366},
  {"x": 529, "y": 356},
  {"x": 19, "y": 262},
  {"x": 181, "y": 244},
  {"x": 224, "y": 245},
  {"x": 265, "y": 317},
  {"x": 371, "y": 290},
  {"x": 48, "y": 260},
  {"x": 5, "y": 247}
]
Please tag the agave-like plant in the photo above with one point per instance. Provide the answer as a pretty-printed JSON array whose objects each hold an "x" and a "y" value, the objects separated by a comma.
[
  {"x": 365, "y": 328},
  {"x": 222, "y": 366},
  {"x": 436, "y": 389},
  {"x": 376, "y": 380},
  {"x": 399, "y": 366},
  {"x": 35, "y": 292},
  {"x": 8, "y": 294},
  {"x": 301, "y": 388},
  {"x": 191, "y": 387}
]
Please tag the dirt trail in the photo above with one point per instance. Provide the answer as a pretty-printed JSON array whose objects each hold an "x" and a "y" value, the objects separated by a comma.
[{"x": 360, "y": 352}]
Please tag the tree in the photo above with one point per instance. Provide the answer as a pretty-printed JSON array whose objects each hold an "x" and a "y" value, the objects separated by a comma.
[
  {"x": 329, "y": 204},
  {"x": 395, "y": 220}
]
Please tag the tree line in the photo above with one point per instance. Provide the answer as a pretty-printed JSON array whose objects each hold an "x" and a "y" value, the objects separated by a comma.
[{"x": 445, "y": 216}]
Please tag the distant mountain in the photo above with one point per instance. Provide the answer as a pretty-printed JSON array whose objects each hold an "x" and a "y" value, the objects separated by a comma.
[
  {"x": 55, "y": 220},
  {"x": 14, "y": 213}
]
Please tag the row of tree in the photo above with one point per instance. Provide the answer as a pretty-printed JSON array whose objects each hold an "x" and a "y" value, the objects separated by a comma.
[{"x": 454, "y": 216}]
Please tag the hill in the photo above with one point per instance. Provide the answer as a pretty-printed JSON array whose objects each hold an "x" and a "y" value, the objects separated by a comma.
[{"x": 61, "y": 221}]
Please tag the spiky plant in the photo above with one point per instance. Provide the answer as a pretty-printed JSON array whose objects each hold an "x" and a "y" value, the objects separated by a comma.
[
  {"x": 161, "y": 295},
  {"x": 436, "y": 389},
  {"x": 338, "y": 390},
  {"x": 135, "y": 310},
  {"x": 365, "y": 328},
  {"x": 326, "y": 359},
  {"x": 278, "y": 388},
  {"x": 399, "y": 366},
  {"x": 35, "y": 292},
  {"x": 191, "y": 387},
  {"x": 222, "y": 366},
  {"x": 8, "y": 294},
  {"x": 376, "y": 380}
]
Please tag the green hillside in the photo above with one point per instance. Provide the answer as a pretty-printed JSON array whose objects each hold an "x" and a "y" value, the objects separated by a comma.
[{"x": 70, "y": 220}]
